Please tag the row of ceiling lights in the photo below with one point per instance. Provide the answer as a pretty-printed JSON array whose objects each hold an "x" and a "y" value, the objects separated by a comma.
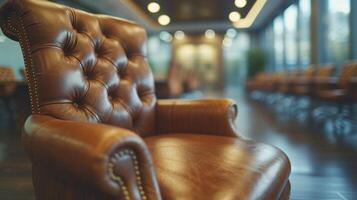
[
  {"x": 164, "y": 20},
  {"x": 179, "y": 35},
  {"x": 235, "y": 16},
  {"x": 210, "y": 34},
  {"x": 154, "y": 7}
]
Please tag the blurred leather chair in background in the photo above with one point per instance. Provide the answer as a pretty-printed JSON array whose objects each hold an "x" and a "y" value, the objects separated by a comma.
[
  {"x": 336, "y": 92},
  {"x": 286, "y": 81},
  {"x": 98, "y": 132},
  {"x": 306, "y": 85},
  {"x": 7, "y": 90},
  {"x": 336, "y": 89}
]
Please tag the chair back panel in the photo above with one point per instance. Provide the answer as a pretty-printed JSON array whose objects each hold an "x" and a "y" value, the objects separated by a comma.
[
  {"x": 83, "y": 67},
  {"x": 325, "y": 71},
  {"x": 348, "y": 70}
]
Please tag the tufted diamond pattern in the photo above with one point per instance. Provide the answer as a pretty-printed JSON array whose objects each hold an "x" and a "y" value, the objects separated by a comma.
[{"x": 85, "y": 67}]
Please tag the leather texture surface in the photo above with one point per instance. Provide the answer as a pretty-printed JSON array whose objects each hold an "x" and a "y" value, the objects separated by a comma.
[
  {"x": 210, "y": 117},
  {"x": 84, "y": 151},
  {"x": 236, "y": 168},
  {"x": 95, "y": 114},
  {"x": 83, "y": 68}
]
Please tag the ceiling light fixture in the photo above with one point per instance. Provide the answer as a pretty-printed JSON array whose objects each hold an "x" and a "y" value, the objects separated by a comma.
[
  {"x": 248, "y": 20},
  {"x": 234, "y": 16},
  {"x": 231, "y": 33},
  {"x": 240, "y": 3},
  {"x": 153, "y": 7},
  {"x": 164, "y": 20},
  {"x": 179, "y": 35},
  {"x": 210, "y": 34},
  {"x": 165, "y": 36}
]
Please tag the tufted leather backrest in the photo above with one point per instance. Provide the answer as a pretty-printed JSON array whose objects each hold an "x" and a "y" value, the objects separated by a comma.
[{"x": 83, "y": 67}]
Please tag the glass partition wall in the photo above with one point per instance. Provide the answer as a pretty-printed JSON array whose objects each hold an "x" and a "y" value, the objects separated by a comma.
[{"x": 290, "y": 35}]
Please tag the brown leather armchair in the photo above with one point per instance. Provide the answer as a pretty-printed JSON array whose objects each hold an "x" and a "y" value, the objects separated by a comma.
[
  {"x": 98, "y": 132},
  {"x": 306, "y": 84},
  {"x": 336, "y": 89}
]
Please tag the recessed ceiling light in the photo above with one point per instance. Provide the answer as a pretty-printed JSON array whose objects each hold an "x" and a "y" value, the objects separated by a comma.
[
  {"x": 234, "y": 16},
  {"x": 231, "y": 33},
  {"x": 164, "y": 20},
  {"x": 240, "y": 3},
  {"x": 153, "y": 7},
  {"x": 165, "y": 36},
  {"x": 210, "y": 34},
  {"x": 179, "y": 35}
]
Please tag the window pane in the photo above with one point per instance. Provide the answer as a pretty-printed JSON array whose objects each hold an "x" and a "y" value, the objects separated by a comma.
[
  {"x": 338, "y": 30},
  {"x": 279, "y": 42},
  {"x": 159, "y": 55},
  {"x": 267, "y": 43},
  {"x": 304, "y": 32},
  {"x": 235, "y": 61},
  {"x": 290, "y": 22}
]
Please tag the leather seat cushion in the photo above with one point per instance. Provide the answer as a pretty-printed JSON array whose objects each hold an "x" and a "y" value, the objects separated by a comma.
[{"x": 213, "y": 167}]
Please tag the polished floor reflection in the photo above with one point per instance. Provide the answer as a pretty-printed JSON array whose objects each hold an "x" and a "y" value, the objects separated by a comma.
[{"x": 322, "y": 167}]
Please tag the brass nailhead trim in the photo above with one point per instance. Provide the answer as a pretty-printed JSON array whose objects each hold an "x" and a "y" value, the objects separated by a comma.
[
  {"x": 119, "y": 180},
  {"x": 24, "y": 43}
]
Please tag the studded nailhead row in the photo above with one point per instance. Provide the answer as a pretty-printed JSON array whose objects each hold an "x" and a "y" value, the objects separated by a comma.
[
  {"x": 119, "y": 180},
  {"x": 24, "y": 43}
]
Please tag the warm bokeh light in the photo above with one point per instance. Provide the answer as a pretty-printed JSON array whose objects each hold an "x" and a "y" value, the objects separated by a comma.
[
  {"x": 165, "y": 36},
  {"x": 234, "y": 16},
  {"x": 164, "y": 20},
  {"x": 210, "y": 34},
  {"x": 179, "y": 35},
  {"x": 227, "y": 42},
  {"x": 231, "y": 33},
  {"x": 153, "y": 7},
  {"x": 240, "y": 3}
]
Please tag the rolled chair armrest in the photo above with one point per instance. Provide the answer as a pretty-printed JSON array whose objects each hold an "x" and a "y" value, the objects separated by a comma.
[
  {"x": 114, "y": 160},
  {"x": 210, "y": 116}
]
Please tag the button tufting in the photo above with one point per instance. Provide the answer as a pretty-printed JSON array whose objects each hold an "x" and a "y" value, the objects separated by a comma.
[
  {"x": 75, "y": 104},
  {"x": 69, "y": 43}
]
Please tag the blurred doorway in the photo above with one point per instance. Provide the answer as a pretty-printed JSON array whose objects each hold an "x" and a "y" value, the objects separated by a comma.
[{"x": 202, "y": 57}]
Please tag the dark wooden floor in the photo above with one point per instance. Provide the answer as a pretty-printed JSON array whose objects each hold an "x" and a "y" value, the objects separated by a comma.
[{"x": 323, "y": 166}]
